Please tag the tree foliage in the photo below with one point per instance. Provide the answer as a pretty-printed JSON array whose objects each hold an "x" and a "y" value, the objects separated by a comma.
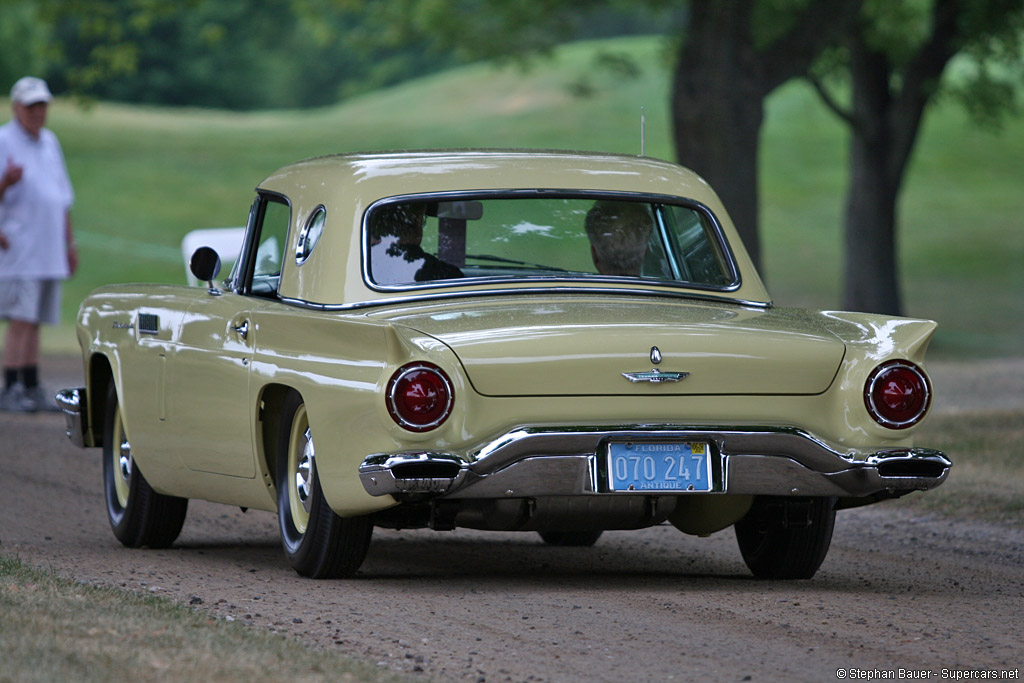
[
  {"x": 237, "y": 54},
  {"x": 230, "y": 54},
  {"x": 728, "y": 57},
  {"x": 734, "y": 54},
  {"x": 893, "y": 63},
  {"x": 23, "y": 41},
  {"x": 877, "y": 63},
  {"x": 508, "y": 29}
]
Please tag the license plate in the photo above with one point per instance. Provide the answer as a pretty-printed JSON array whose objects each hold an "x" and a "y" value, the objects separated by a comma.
[{"x": 640, "y": 466}]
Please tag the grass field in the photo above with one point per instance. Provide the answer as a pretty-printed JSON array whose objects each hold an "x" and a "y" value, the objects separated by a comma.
[
  {"x": 146, "y": 176},
  {"x": 987, "y": 479},
  {"x": 59, "y": 630}
]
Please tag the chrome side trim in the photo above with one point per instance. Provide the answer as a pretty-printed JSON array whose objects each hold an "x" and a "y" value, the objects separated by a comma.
[
  {"x": 72, "y": 403},
  {"x": 567, "y": 461},
  {"x": 518, "y": 291}
]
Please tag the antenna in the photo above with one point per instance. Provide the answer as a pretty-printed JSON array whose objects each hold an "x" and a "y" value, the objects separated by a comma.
[{"x": 643, "y": 142}]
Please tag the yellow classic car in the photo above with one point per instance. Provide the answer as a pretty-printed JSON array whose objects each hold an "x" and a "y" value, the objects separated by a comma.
[{"x": 504, "y": 340}]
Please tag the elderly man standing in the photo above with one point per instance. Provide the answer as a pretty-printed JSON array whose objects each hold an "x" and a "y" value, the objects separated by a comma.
[{"x": 37, "y": 250}]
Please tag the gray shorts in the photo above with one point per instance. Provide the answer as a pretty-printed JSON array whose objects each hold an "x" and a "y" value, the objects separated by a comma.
[{"x": 31, "y": 301}]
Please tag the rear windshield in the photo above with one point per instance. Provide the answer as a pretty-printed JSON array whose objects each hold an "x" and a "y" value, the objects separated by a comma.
[{"x": 421, "y": 241}]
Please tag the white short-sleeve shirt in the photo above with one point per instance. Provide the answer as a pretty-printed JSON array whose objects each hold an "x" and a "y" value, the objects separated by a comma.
[{"x": 33, "y": 211}]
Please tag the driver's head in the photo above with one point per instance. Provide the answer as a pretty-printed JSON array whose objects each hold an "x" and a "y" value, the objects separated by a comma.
[{"x": 619, "y": 233}]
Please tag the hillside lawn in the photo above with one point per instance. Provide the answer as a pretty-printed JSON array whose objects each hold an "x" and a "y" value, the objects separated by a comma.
[{"x": 146, "y": 176}]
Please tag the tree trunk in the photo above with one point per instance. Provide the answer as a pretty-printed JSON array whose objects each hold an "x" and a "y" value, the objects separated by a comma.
[
  {"x": 885, "y": 118},
  {"x": 871, "y": 282},
  {"x": 870, "y": 273},
  {"x": 724, "y": 73},
  {"x": 717, "y": 111},
  {"x": 718, "y": 136}
]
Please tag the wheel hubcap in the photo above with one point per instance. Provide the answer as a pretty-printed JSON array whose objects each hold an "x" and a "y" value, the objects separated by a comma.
[
  {"x": 122, "y": 463},
  {"x": 304, "y": 473},
  {"x": 125, "y": 460},
  {"x": 301, "y": 471}
]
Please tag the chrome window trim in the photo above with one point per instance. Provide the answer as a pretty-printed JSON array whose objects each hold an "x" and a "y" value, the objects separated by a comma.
[
  {"x": 240, "y": 280},
  {"x": 736, "y": 280},
  {"x": 663, "y": 235},
  {"x": 303, "y": 246},
  {"x": 519, "y": 291}
]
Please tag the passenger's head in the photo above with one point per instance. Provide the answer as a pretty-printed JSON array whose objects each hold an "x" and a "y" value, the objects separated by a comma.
[{"x": 619, "y": 233}]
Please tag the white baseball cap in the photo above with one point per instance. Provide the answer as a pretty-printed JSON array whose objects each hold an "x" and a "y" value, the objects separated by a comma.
[{"x": 30, "y": 90}]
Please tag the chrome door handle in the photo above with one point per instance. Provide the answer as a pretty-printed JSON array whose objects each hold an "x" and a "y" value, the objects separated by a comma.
[{"x": 242, "y": 330}]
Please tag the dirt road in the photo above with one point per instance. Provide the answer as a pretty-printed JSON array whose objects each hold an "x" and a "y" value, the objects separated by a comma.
[{"x": 897, "y": 591}]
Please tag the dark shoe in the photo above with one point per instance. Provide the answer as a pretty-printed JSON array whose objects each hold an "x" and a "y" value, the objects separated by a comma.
[
  {"x": 14, "y": 399},
  {"x": 43, "y": 399}
]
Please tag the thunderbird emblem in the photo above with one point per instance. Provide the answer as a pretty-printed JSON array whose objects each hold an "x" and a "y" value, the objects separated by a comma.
[{"x": 655, "y": 376}]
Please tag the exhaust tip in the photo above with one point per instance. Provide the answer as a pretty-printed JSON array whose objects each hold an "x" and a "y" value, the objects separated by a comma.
[
  {"x": 911, "y": 463},
  {"x": 912, "y": 468},
  {"x": 426, "y": 470},
  {"x": 412, "y": 473}
]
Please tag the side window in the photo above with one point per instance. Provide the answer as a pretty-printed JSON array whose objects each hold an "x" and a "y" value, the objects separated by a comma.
[
  {"x": 698, "y": 255},
  {"x": 268, "y": 252}
]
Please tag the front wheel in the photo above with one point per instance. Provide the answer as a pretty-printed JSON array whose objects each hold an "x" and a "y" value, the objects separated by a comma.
[
  {"x": 317, "y": 542},
  {"x": 139, "y": 516},
  {"x": 786, "y": 538}
]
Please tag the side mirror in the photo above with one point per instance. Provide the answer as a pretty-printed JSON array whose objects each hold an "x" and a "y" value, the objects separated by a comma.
[{"x": 205, "y": 264}]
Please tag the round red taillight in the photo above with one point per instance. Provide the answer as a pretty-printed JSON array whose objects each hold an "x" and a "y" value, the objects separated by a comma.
[
  {"x": 420, "y": 396},
  {"x": 897, "y": 394}
]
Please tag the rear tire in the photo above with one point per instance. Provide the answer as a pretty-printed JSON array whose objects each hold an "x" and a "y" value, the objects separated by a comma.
[
  {"x": 786, "y": 538},
  {"x": 138, "y": 515},
  {"x": 318, "y": 543},
  {"x": 571, "y": 539}
]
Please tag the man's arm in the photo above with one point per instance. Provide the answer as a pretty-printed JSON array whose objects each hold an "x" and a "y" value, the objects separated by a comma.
[{"x": 12, "y": 174}]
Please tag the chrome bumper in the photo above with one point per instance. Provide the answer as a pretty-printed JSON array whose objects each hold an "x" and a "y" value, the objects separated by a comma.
[
  {"x": 72, "y": 403},
  {"x": 533, "y": 462}
]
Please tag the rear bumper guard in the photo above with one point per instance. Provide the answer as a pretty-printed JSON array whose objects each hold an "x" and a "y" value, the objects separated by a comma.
[
  {"x": 534, "y": 462},
  {"x": 72, "y": 403}
]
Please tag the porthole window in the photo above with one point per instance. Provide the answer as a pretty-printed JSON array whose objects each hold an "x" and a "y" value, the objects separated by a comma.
[{"x": 310, "y": 234}]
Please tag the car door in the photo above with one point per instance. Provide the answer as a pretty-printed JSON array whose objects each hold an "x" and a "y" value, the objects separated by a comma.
[
  {"x": 210, "y": 386},
  {"x": 210, "y": 383}
]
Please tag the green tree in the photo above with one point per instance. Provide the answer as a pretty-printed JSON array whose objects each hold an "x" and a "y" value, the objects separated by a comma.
[
  {"x": 729, "y": 56},
  {"x": 894, "y": 62},
  {"x": 23, "y": 40},
  {"x": 733, "y": 55},
  {"x": 231, "y": 54}
]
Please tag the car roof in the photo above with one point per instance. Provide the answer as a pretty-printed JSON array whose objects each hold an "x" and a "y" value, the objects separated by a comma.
[
  {"x": 500, "y": 169},
  {"x": 347, "y": 184}
]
